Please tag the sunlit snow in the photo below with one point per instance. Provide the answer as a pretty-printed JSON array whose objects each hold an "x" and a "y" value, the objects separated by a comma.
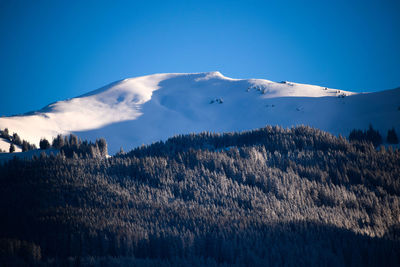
[{"x": 146, "y": 109}]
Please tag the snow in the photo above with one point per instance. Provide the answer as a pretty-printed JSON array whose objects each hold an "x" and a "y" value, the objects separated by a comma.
[
  {"x": 5, "y": 145},
  {"x": 146, "y": 109},
  {"x": 289, "y": 89}
]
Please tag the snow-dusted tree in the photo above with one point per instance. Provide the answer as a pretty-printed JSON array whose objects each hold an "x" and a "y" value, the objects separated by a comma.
[
  {"x": 58, "y": 142},
  {"x": 121, "y": 152},
  {"x": 73, "y": 140},
  {"x": 102, "y": 144},
  {"x": 94, "y": 151}
]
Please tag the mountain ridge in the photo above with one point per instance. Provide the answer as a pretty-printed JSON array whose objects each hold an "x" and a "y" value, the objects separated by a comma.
[{"x": 145, "y": 109}]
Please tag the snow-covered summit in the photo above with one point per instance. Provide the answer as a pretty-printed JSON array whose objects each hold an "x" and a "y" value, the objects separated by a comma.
[{"x": 145, "y": 109}]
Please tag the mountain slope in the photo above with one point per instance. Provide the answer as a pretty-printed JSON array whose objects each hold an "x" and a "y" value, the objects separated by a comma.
[
  {"x": 146, "y": 109},
  {"x": 266, "y": 197},
  {"x": 5, "y": 145}
]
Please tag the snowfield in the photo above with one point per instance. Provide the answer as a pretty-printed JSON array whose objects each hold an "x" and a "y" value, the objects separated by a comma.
[{"x": 142, "y": 110}]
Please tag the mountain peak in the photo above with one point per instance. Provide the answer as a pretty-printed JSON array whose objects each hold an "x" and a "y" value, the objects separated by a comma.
[{"x": 145, "y": 109}]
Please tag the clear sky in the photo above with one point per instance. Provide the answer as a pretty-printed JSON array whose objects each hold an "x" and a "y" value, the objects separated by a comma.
[{"x": 53, "y": 50}]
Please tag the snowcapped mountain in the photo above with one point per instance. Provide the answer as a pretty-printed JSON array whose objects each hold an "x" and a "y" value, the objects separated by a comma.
[{"x": 146, "y": 109}]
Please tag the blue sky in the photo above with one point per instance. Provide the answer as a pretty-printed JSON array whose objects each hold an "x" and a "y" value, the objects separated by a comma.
[{"x": 53, "y": 50}]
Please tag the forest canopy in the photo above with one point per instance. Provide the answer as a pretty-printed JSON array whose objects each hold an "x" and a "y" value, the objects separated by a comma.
[{"x": 271, "y": 196}]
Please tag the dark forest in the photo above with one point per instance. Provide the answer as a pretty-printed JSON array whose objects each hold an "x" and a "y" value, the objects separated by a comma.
[{"x": 267, "y": 197}]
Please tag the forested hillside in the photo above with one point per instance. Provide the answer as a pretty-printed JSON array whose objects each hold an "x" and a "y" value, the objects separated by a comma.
[{"x": 268, "y": 197}]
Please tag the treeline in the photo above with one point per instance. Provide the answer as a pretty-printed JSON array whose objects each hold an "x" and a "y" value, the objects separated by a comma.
[
  {"x": 373, "y": 136},
  {"x": 73, "y": 147},
  {"x": 271, "y": 138},
  {"x": 16, "y": 140},
  {"x": 69, "y": 146},
  {"x": 268, "y": 197}
]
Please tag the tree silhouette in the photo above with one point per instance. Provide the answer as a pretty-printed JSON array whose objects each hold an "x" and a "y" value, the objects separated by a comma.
[
  {"x": 392, "y": 137},
  {"x": 16, "y": 139},
  {"x": 12, "y": 148},
  {"x": 58, "y": 142},
  {"x": 44, "y": 144}
]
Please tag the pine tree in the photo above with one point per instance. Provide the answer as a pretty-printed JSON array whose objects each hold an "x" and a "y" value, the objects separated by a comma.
[
  {"x": 44, "y": 144},
  {"x": 58, "y": 142},
  {"x": 392, "y": 137},
  {"x": 5, "y": 134},
  {"x": 121, "y": 152},
  {"x": 16, "y": 139},
  {"x": 12, "y": 148},
  {"x": 102, "y": 144},
  {"x": 73, "y": 141},
  {"x": 356, "y": 135},
  {"x": 25, "y": 146},
  {"x": 374, "y": 136}
]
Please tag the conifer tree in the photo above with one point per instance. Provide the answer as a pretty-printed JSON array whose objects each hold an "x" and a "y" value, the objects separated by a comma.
[
  {"x": 58, "y": 142},
  {"x": 374, "y": 136},
  {"x": 392, "y": 137},
  {"x": 25, "y": 146},
  {"x": 16, "y": 139},
  {"x": 44, "y": 144},
  {"x": 121, "y": 152},
  {"x": 12, "y": 148},
  {"x": 102, "y": 144},
  {"x": 5, "y": 134}
]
